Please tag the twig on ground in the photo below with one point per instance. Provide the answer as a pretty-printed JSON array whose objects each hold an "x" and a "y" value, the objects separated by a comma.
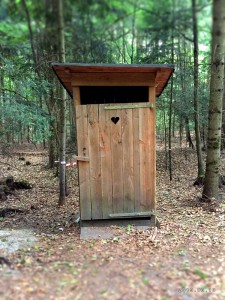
[{"x": 154, "y": 234}]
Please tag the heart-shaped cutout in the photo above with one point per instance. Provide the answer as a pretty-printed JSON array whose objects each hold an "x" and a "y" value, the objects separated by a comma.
[{"x": 115, "y": 119}]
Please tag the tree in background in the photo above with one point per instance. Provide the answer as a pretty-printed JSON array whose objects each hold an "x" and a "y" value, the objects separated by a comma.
[
  {"x": 223, "y": 119},
  {"x": 211, "y": 186},
  {"x": 201, "y": 170},
  {"x": 62, "y": 128},
  {"x": 21, "y": 90}
]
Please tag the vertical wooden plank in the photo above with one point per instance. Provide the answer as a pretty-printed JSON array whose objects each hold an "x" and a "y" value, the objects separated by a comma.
[
  {"x": 83, "y": 150},
  {"x": 143, "y": 149},
  {"x": 76, "y": 102},
  {"x": 136, "y": 159},
  {"x": 128, "y": 167},
  {"x": 152, "y": 124},
  {"x": 147, "y": 157},
  {"x": 149, "y": 162},
  {"x": 106, "y": 162},
  {"x": 117, "y": 164},
  {"x": 95, "y": 161},
  {"x": 76, "y": 95}
]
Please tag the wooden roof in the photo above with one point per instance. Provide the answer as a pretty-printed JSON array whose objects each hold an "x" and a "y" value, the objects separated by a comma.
[{"x": 65, "y": 71}]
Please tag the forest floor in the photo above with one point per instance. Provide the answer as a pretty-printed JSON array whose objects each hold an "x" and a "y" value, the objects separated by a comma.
[{"x": 183, "y": 259}]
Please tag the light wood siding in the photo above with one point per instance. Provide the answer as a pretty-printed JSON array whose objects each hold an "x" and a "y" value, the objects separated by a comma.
[
  {"x": 82, "y": 120},
  {"x": 152, "y": 138},
  {"x": 118, "y": 177},
  {"x": 95, "y": 161},
  {"x": 106, "y": 162},
  {"x": 128, "y": 160},
  {"x": 76, "y": 95}
]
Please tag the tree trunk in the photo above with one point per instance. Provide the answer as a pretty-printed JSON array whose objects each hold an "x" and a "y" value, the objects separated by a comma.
[
  {"x": 171, "y": 102},
  {"x": 223, "y": 119},
  {"x": 196, "y": 105},
  {"x": 170, "y": 129},
  {"x": 62, "y": 148},
  {"x": 34, "y": 54},
  {"x": 51, "y": 145},
  {"x": 51, "y": 49},
  {"x": 188, "y": 134},
  {"x": 181, "y": 128},
  {"x": 165, "y": 139},
  {"x": 211, "y": 186},
  {"x": 133, "y": 32}
]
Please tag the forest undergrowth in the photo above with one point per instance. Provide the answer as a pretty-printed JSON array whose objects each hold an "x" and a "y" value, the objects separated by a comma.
[{"x": 182, "y": 259}]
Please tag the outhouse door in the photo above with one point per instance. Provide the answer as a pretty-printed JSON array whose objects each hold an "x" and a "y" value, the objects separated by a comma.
[{"x": 118, "y": 180}]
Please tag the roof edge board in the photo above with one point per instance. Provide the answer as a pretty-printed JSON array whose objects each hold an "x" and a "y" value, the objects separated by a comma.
[
  {"x": 115, "y": 65},
  {"x": 67, "y": 68}
]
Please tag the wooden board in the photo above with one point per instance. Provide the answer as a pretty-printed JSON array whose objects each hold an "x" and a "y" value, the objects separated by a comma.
[
  {"x": 84, "y": 168},
  {"x": 113, "y": 79},
  {"x": 136, "y": 160},
  {"x": 106, "y": 163},
  {"x": 142, "y": 153},
  {"x": 130, "y": 106},
  {"x": 128, "y": 162},
  {"x": 152, "y": 150},
  {"x": 116, "y": 159},
  {"x": 95, "y": 162},
  {"x": 76, "y": 95}
]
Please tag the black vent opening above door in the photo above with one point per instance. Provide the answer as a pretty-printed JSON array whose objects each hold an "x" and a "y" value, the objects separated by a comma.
[{"x": 113, "y": 94}]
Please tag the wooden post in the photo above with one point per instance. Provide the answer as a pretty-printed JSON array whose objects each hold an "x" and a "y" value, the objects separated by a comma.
[
  {"x": 151, "y": 99},
  {"x": 76, "y": 96},
  {"x": 76, "y": 101}
]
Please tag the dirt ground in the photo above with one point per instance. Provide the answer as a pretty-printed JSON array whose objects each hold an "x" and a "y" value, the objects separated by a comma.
[{"x": 183, "y": 259}]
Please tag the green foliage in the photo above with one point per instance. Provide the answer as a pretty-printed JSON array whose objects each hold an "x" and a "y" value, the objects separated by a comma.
[
  {"x": 116, "y": 239},
  {"x": 200, "y": 274},
  {"x": 145, "y": 280},
  {"x": 181, "y": 252},
  {"x": 21, "y": 91},
  {"x": 19, "y": 107}
]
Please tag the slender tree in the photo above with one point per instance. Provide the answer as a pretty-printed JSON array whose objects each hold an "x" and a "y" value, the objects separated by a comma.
[
  {"x": 211, "y": 186},
  {"x": 170, "y": 126},
  {"x": 196, "y": 104},
  {"x": 62, "y": 148},
  {"x": 171, "y": 97},
  {"x": 49, "y": 47},
  {"x": 223, "y": 119}
]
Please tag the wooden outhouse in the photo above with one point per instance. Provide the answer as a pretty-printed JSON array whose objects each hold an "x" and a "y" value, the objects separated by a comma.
[{"x": 115, "y": 119}]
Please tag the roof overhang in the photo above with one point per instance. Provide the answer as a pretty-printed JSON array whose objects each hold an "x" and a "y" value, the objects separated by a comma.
[{"x": 66, "y": 71}]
